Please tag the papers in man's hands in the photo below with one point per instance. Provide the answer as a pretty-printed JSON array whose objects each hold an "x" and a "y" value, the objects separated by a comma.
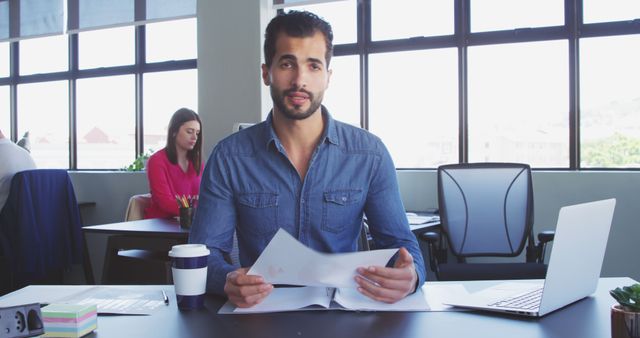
[
  {"x": 287, "y": 261},
  {"x": 328, "y": 280},
  {"x": 325, "y": 298}
]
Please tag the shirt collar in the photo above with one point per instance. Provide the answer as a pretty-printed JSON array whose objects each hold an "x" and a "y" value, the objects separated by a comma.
[{"x": 330, "y": 133}]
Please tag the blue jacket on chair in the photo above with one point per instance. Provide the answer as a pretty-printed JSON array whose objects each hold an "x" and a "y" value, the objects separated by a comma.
[{"x": 40, "y": 228}]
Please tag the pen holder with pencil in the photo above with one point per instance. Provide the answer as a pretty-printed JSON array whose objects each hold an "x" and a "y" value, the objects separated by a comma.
[
  {"x": 186, "y": 205},
  {"x": 186, "y": 217}
]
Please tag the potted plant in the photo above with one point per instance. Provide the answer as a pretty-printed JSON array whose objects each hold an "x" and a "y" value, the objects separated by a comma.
[{"x": 625, "y": 316}]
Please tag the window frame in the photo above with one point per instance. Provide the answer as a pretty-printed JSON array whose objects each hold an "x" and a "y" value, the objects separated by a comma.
[
  {"x": 139, "y": 68},
  {"x": 572, "y": 31}
]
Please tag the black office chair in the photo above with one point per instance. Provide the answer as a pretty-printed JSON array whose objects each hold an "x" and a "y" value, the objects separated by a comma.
[{"x": 486, "y": 210}]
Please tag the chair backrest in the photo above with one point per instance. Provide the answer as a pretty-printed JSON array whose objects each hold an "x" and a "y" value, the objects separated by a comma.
[
  {"x": 40, "y": 228},
  {"x": 136, "y": 206},
  {"x": 486, "y": 209}
]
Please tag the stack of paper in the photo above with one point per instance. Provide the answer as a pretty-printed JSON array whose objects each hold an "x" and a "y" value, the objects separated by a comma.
[{"x": 69, "y": 320}]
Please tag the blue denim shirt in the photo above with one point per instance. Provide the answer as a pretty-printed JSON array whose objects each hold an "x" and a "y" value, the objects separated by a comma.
[{"x": 250, "y": 186}]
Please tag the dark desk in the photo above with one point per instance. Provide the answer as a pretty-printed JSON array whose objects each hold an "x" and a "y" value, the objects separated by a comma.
[
  {"x": 588, "y": 318},
  {"x": 150, "y": 234}
]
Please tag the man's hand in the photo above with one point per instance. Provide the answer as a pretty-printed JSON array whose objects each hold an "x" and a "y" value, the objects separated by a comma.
[
  {"x": 389, "y": 285},
  {"x": 245, "y": 290}
]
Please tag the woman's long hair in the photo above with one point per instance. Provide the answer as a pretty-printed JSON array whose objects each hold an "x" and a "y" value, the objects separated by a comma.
[{"x": 194, "y": 155}]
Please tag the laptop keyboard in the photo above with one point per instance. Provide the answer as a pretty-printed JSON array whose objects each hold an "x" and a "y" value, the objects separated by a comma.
[{"x": 525, "y": 301}]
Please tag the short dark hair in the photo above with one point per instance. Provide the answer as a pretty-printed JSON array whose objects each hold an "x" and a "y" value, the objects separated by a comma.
[
  {"x": 194, "y": 155},
  {"x": 297, "y": 24}
]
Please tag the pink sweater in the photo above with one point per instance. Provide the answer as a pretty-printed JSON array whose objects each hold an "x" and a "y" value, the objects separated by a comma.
[{"x": 166, "y": 180}]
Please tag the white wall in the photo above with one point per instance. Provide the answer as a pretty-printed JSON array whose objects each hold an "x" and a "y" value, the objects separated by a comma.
[{"x": 230, "y": 90}]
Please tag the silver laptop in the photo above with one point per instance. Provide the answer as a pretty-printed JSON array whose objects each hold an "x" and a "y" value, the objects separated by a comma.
[{"x": 573, "y": 271}]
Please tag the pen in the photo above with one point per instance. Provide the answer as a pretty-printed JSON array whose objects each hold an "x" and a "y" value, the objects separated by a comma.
[{"x": 164, "y": 296}]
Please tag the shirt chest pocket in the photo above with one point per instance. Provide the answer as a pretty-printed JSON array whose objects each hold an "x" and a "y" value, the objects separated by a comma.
[
  {"x": 258, "y": 212},
  {"x": 341, "y": 209}
]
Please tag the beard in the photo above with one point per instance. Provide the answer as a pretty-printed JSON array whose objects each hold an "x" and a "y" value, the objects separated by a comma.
[{"x": 294, "y": 113}]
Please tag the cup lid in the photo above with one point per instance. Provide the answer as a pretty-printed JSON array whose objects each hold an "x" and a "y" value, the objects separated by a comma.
[{"x": 189, "y": 250}]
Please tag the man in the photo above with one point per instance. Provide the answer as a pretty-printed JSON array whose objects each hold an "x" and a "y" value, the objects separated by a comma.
[
  {"x": 13, "y": 159},
  {"x": 302, "y": 171}
]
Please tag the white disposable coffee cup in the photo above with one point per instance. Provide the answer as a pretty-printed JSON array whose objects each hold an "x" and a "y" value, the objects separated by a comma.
[{"x": 189, "y": 268}]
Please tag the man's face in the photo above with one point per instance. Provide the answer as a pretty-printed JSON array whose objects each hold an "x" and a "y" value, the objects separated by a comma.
[{"x": 298, "y": 75}]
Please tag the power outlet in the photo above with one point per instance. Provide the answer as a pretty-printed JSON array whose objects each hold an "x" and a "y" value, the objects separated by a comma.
[{"x": 21, "y": 321}]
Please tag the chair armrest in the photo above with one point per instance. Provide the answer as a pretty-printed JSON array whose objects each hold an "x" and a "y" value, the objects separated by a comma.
[
  {"x": 546, "y": 236},
  {"x": 430, "y": 237}
]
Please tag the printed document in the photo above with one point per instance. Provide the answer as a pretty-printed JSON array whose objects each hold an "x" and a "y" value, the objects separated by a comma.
[
  {"x": 327, "y": 279},
  {"x": 287, "y": 261},
  {"x": 324, "y": 298}
]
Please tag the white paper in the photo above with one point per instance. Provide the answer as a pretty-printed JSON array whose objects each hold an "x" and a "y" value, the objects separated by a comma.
[
  {"x": 353, "y": 300},
  {"x": 291, "y": 299},
  {"x": 327, "y": 298},
  {"x": 110, "y": 300},
  {"x": 287, "y": 261},
  {"x": 415, "y": 219}
]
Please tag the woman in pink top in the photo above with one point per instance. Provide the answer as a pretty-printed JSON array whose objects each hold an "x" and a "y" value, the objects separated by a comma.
[{"x": 176, "y": 169}]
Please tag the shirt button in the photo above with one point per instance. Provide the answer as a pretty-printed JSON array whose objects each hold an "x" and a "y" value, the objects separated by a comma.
[
  {"x": 344, "y": 199},
  {"x": 302, "y": 200}
]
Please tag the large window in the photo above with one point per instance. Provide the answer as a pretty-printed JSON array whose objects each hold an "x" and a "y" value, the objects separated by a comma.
[
  {"x": 545, "y": 82},
  {"x": 610, "y": 102},
  {"x": 4, "y": 59},
  {"x": 164, "y": 93},
  {"x": 519, "y": 103},
  {"x": 44, "y": 55},
  {"x": 413, "y": 105},
  {"x": 425, "y": 18},
  {"x": 44, "y": 113},
  {"x": 106, "y": 121},
  {"x": 85, "y": 98},
  {"x": 106, "y": 47},
  {"x": 4, "y": 111}
]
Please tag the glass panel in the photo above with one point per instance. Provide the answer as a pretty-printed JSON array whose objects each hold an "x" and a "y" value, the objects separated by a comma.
[
  {"x": 401, "y": 19},
  {"x": 106, "y": 122},
  {"x": 413, "y": 106},
  {"x": 4, "y": 19},
  {"x": 170, "y": 9},
  {"x": 343, "y": 96},
  {"x": 172, "y": 40},
  {"x": 341, "y": 16},
  {"x": 5, "y": 122},
  {"x": 610, "y": 102},
  {"x": 106, "y": 47},
  {"x": 518, "y": 104},
  {"x": 44, "y": 55},
  {"x": 4, "y": 59},
  {"x": 43, "y": 111},
  {"x": 39, "y": 18},
  {"x": 490, "y": 15},
  {"x": 610, "y": 10},
  {"x": 164, "y": 93},
  {"x": 104, "y": 13}
]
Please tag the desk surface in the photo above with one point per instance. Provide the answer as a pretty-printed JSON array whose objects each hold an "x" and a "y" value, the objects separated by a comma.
[
  {"x": 146, "y": 227},
  {"x": 586, "y": 318}
]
